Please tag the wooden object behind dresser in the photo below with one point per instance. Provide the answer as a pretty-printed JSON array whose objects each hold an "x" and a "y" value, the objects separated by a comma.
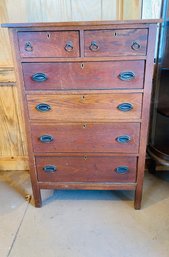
[{"x": 86, "y": 90}]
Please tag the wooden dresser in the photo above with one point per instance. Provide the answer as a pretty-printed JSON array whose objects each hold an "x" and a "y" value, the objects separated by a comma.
[{"x": 86, "y": 90}]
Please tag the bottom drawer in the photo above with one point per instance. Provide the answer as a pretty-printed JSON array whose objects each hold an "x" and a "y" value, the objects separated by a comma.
[{"x": 86, "y": 169}]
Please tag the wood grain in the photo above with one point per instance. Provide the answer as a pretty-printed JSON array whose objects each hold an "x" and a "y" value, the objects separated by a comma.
[
  {"x": 86, "y": 10},
  {"x": 87, "y": 186},
  {"x": 115, "y": 42},
  {"x": 146, "y": 110},
  {"x": 83, "y": 75},
  {"x": 49, "y": 44},
  {"x": 12, "y": 140},
  {"x": 132, "y": 9},
  {"x": 56, "y": 10},
  {"x": 86, "y": 169},
  {"x": 14, "y": 163},
  {"x": 120, "y": 9},
  {"x": 18, "y": 10},
  {"x": 5, "y": 50},
  {"x": 86, "y": 107},
  {"x": 86, "y": 137},
  {"x": 34, "y": 11},
  {"x": 151, "y": 9},
  {"x": 109, "y": 10},
  {"x": 7, "y": 75}
]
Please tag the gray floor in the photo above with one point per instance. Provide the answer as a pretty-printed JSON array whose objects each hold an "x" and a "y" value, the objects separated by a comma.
[{"x": 83, "y": 223}]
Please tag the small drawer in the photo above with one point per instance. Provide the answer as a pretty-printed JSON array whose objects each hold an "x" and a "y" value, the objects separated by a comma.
[
  {"x": 83, "y": 75},
  {"x": 85, "y": 107},
  {"x": 86, "y": 169},
  {"x": 86, "y": 137},
  {"x": 49, "y": 44},
  {"x": 115, "y": 42}
]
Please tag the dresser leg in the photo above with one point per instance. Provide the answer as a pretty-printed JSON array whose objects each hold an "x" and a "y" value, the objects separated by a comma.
[
  {"x": 37, "y": 197},
  {"x": 138, "y": 198}
]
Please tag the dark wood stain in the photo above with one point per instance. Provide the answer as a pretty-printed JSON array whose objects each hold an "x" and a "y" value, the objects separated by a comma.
[
  {"x": 86, "y": 169},
  {"x": 86, "y": 137},
  {"x": 49, "y": 44},
  {"x": 116, "y": 42},
  {"x": 83, "y": 75},
  {"x": 86, "y": 107}
]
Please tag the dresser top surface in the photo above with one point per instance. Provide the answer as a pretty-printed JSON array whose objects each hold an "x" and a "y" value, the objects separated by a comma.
[{"x": 80, "y": 23}]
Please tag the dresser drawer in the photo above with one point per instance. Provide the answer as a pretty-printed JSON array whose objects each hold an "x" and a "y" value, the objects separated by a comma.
[
  {"x": 115, "y": 42},
  {"x": 49, "y": 44},
  {"x": 86, "y": 137},
  {"x": 85, "y": 107},
  {"x": 86, "y": 169},
  {"x": 83, "y": 75}
]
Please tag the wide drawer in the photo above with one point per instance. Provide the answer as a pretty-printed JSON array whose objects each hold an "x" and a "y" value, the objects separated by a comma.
[
  {"x": 85, "y": 107},
  {"x": 83, "y": 75},
  {"x": 86, "y": 169},
  {"x": 49, "y": 44},
  {"x": 86, "y": 137},
  {"x": 115, "y": 42}
]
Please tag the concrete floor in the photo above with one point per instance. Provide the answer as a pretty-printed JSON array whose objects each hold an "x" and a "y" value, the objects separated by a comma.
[{"x": 83, "y": 223}]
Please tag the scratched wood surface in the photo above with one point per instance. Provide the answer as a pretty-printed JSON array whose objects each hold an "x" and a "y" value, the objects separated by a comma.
[{"x": 13, "y": 154}]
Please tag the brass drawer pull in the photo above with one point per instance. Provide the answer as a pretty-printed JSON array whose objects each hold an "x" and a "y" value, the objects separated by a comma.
[
  {"x": 39, "y": 77},
  {"x": 125, "y": 107},
  {"x": 46, "y": 138},
  {"x": 50, "y": 168},
  {"x": 28, "y": 47},
  {"x": 127, "y": 75},
  {"x": 135, "y": 46},
  {"x": 122, "y": 169},
  {"x": 123, "y": 139},
  {"x": 94, "y": 46},
  {"x": 42, "y": 107},
  {"x": 69, "y": 46}
]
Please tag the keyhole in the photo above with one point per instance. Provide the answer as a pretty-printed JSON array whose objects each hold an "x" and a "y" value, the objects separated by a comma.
[
  {"x": 48, "y": 35},
  {"x": 85, "y": 158},
  {"x": 115, "y": 34},
  {"x": 84, "y": 125},
  {"x": 82, "y": 65}
]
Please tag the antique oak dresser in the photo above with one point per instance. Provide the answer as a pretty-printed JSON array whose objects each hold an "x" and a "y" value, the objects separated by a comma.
[{"x": 86, "y": 91}]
